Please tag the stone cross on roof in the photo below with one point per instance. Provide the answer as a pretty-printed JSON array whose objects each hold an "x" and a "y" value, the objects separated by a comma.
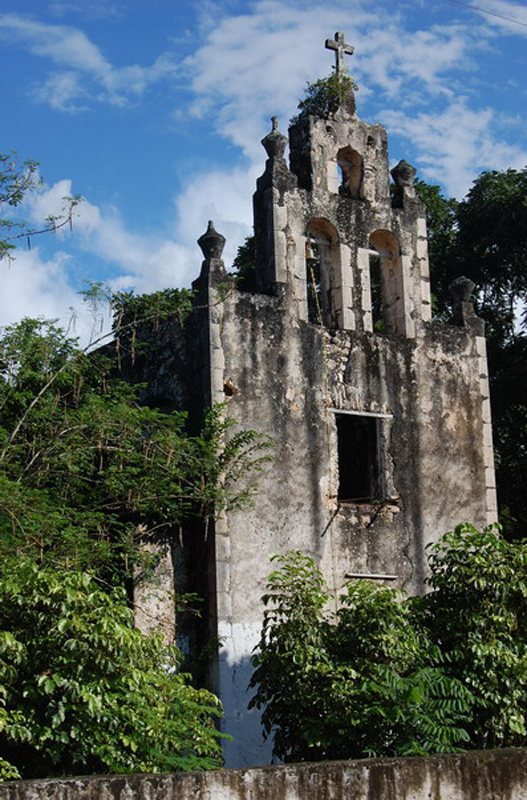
[{"x": 341, "y": 49}]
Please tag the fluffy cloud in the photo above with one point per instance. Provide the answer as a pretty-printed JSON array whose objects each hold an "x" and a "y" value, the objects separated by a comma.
[
  {"x": 255, "y": 65},
  {"x": 506, "y": 16},
  {"x": 455, "y": 144},
  {"x": 85, "y": 74},
  {"x": 33, "y": 286}
]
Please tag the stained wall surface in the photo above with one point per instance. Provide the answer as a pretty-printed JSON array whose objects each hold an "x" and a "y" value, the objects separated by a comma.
[
  {"x": 348, "y": 383},
  {"x": 490, "y": 775}
]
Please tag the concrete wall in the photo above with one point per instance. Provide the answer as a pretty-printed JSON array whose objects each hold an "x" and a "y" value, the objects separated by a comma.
[{"x": 491, "y": 775}]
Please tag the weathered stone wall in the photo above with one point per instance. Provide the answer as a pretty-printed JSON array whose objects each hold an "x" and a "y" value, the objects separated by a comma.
[
  {"x": 290, "y": 377},
  {"x": 491, "y": 775},
  {"x": 287, "y": 379},
  {"x": 418, "y": 389}
]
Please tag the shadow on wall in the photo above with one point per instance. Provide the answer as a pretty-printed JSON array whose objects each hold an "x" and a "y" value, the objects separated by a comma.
[{"x": 248, "y": 747}]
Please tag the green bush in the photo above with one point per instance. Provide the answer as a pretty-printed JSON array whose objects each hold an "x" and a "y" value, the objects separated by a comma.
[
  {"x": 83, "y": 691},
  {"x": 389, "y": 675}
]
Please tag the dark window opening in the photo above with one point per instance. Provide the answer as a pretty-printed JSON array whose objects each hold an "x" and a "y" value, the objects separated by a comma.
[
  {"x": 358, "y": 458},
  {"x": 313, "y": 280},
  {"x": 377, "y": 316}
]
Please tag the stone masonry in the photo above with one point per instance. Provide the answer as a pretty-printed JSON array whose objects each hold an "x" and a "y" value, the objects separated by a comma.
[{"x": 380, "y": 416}]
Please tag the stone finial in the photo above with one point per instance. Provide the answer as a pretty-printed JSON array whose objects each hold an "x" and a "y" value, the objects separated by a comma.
[
  {"x": 275, "y": 142},
  {"x": 212, "y": 242},
  {"x": 403, "y": 174},
  {"x": 463, "y": 312},
  {"x": 461, "y": 289}
]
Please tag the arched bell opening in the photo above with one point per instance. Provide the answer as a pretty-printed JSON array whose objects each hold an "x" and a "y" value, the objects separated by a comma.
[
  {"x": 350, "y": 172},
  {"x": 386, "y": 283},
  {"x": 322, "y": 272}
]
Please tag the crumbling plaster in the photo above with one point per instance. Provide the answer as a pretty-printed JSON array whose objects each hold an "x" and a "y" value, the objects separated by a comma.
[
  {"x": 424, "y": 383},
  {"x": 488, "y": 775}
]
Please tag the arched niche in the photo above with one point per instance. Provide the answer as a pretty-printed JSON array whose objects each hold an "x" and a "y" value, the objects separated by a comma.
[
  {"x": 387, "y": 284},
  {"x": 350, "y": 170},
  {"x": 322, "y": 272}
]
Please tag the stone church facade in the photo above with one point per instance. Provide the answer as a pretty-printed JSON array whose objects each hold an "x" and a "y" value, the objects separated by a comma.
[{"x": 380, "y": 416}]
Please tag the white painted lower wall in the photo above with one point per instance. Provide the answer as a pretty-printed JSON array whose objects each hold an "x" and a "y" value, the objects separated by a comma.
[{"x": 234, "y": 671}]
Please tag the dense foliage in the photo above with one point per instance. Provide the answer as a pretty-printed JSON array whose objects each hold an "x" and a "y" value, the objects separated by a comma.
[
  {"x": 244, "y": 267},
  {"x": 83, "y": 465},
  {"x": 485, "y": 238},
  {"x": 386, "y": 675},
  {"x": 326, "y": 95},
  {"x": 83, "y": 691},
  {"x": 87, "y": 477}
]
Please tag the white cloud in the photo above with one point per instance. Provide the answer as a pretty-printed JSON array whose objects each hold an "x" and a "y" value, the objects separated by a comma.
[
  {"x": 253, "y": 66},
  {"x": 454, "y": 145},
  {"x": 223, "y": 196},
  {"x": 145, "y": 262},
  {"x": 412, "y": 66},
  {"x": 87, "y": 74},
  {"x": 33, "y": 286},
  {"x": 96, "y": 9},
  {"x": 500, "y": 10},
  {"x": 61, "y": 91}
]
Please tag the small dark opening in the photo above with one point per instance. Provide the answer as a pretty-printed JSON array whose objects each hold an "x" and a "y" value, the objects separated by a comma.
[
  {"x": 358, "y": 453},
  {"x": 376, "y": 293},
  {"x": 314, "y": 287}
]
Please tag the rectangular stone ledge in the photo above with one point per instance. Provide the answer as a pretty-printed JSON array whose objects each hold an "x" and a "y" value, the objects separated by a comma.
[
  {"x": 490, "y": 479},
  {"x": 488, "y": 453},
  {"x": 486, "y": 775},
  {"x": 481, "y": 347},
  {"x": 486, "y": 411},
  {"x": 421, "y": 248},
  {"x": 492, "y": 501}
]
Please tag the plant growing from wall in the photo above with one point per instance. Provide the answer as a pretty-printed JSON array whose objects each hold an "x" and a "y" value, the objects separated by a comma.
[
  {"x": 326, "y": 95},
  {"x": 388, "y": 675}
]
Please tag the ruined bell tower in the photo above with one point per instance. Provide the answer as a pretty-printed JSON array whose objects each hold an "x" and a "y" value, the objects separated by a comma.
[{"x": 380, "y": 416}]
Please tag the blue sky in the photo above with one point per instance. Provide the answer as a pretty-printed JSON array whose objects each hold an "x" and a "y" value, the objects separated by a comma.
[{"x": 154, "y": 113}]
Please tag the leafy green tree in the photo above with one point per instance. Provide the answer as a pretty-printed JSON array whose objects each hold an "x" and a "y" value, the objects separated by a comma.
[
  {"x": 364, "y": 681},
  {"x": 83, "y": 691},
  {"x": 492, "y": 245},
  {"x": 87, "y": 475},
  {"x": 485, "y": 238},
  {"x": 16, "y": 180},
  {"x": 244, "y": 265},
  {"x": 84, "y": 467},
  {"x": 477, "y": 615},
  {"x": 388, "y": 675}
]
